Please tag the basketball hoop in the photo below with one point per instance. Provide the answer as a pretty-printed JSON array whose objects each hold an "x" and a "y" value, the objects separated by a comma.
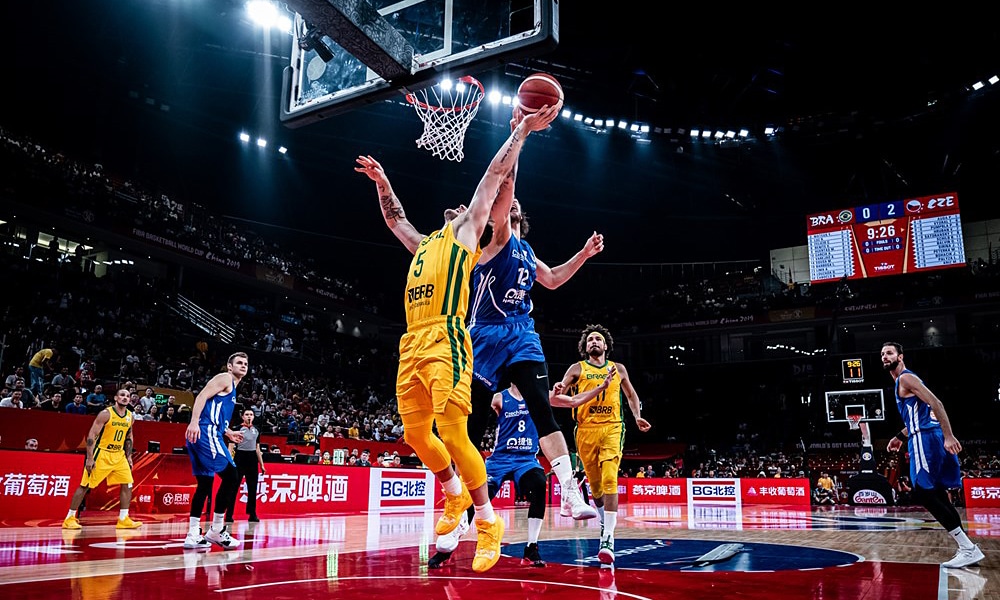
[
  {"x": 446, "y": 114},
  {"x": 854, "y": 421}
]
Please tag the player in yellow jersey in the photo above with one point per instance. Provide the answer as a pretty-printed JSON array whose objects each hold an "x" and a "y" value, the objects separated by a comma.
[
  {"x": 109, "y": 456},
  {"x": 433, "y": 384},
  {"x": 600, "y": 426}
]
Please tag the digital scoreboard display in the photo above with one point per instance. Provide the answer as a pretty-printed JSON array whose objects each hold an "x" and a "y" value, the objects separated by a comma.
[
  {"x": 852, "y": 370},
  {"x": 904, "y": 236}
]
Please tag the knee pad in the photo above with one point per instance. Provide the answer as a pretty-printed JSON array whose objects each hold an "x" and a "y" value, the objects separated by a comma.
[
  {"x": 417, "y": 433},
  {"x": 532, "y": 485},
  {"x": 532, "y": 381}
]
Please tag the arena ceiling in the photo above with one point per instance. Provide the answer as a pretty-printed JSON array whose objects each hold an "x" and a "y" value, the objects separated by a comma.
[{"x": 157, "y": 91}]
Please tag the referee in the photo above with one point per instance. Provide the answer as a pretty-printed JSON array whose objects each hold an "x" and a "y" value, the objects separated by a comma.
[{"x": 248, "y": 456}]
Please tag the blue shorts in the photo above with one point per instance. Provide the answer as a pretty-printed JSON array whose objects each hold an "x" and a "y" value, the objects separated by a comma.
[
  {"x": 496, "y": 346},
  {"x": 210, "y": 454},
  {"x": 931, "y": 465},
  {"x": 509, "y": 466}
]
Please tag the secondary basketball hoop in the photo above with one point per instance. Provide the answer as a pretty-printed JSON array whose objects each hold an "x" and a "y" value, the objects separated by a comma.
[{"x": 446, "y": 112}]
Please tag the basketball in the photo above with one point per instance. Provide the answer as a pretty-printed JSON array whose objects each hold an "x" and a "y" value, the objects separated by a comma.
[{"x": 537, "y": 90}]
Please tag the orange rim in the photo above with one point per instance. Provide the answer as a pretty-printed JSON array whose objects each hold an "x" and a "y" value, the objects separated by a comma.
[{"x": 467, "y": 79}]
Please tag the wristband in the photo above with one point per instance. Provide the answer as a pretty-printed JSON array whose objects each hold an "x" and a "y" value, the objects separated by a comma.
[{"x": 899, "y": 436}]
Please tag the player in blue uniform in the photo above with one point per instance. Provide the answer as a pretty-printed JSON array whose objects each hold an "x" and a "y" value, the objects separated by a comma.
[
  {"x": 506, "y": 348},
  {"x": 208, "y": 449},
  {"x": 934, "y": 465},
  {"x": 515, "y": 458}
]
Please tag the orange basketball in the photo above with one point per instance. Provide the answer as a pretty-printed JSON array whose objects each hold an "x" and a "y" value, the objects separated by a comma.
[{"x": 537, "y": 90}]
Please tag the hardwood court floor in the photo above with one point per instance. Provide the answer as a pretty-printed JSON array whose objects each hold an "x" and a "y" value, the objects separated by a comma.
[{"x": 663, "y": 551}]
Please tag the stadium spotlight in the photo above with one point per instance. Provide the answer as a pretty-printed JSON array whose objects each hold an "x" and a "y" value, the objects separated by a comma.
[{"x": 244, "y": 137}]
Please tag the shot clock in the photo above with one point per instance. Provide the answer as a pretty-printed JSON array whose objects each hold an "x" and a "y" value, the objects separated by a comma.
[
  {"x": 903, "y": 236},
  {"x": 852, "y": 370}
]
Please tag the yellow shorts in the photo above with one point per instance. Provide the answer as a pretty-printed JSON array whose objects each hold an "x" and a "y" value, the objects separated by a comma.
[
  {"x": 114, "y": 468},
  {"x": 435, "y": 369},
  {"x": 600, "y": 451}
]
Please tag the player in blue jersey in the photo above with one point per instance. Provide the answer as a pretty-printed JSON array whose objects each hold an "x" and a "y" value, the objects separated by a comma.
[
  {"x": 207, "y": 447},
  {"x": 934, "y": 465},
  {"x": 515, "y": 458},
  {"x": 506, "y": 348}
]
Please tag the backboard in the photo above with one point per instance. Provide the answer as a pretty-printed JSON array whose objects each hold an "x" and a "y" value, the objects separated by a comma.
[
  {"x": 870, "y": 404},
  {"x": 348, "y": 53}
]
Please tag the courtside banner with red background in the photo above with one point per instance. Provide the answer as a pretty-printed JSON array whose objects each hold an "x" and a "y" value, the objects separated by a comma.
[
  {"x": 40, "y": 484},
  {"x": 37, "y": 484},
  {"x": 981, "y": 493},
  {"x": 752, "y": 491}
]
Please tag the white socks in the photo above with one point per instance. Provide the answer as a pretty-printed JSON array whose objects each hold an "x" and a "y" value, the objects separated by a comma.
[
  {"x": 485, "y": 512},
  {"x": 564, "y": 472},
  {"x": 963, "y": 540},
  {"x": 534, "y": 527},
  {"x": 454, "y": 485},
  {"x": 610, "y": 520},
  {"x": 71, "y": 513},
  {"x": 194, "y": 525},
  {"x": 218, "y": 521},
  {"x": 122, "y": 514}
]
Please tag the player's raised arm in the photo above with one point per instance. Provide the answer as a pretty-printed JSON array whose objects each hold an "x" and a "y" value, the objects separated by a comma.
[
  {"x": 392, "y": 208},
  {"x": 558, "y": 275},
  {"x": 470, "y": 225}
]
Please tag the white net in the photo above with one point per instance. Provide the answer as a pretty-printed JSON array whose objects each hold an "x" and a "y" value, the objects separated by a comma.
[
  {"x": 446, "y": 113},
  {"x": 854, "y": 421}
]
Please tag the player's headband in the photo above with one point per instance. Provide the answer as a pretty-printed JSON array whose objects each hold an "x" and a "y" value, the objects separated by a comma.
[{"x": 598, "y": 334}]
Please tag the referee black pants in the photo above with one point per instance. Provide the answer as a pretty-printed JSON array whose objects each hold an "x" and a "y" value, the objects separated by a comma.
[{"x": 246, "y": 466}]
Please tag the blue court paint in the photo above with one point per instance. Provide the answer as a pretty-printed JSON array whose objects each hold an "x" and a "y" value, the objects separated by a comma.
[{"x": 690, "y": 555}]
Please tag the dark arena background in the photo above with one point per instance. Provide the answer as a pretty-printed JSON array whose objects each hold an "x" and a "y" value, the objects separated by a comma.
[{"x": 177, "y": 184}]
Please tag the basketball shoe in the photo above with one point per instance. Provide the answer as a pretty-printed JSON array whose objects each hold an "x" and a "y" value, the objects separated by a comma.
[
  {"x": 128, "y": 523},
  {"x": 487, "y": 544},
  {"x": 576, "y": 506},
  {"x": 607, "y": 552},
  {"x": 532, "y": 557},
  {"x": 454, "y": 507},
  {"x": 448, "y": 542},
  {"x": 71, "y": 523},
  {"x": 964, "y": 558},
  {"x": 222, "y": 538},
  {"x": 196, "y": 540}
]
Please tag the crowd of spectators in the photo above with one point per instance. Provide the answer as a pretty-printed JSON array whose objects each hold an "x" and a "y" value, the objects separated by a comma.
[{"x": 308, "y": 380}]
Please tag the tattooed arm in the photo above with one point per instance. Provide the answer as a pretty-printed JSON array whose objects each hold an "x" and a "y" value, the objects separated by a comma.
[
  {"x": 95, "y": 430},
  {"x": 392, "y": 209},
  {"x": 127, "y": 447}
]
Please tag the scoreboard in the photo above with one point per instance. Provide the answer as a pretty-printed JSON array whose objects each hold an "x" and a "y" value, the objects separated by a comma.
[{"x": 889, "y": 238}]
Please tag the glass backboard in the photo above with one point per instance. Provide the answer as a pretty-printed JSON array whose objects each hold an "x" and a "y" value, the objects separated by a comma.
[
  {"x": 870, "y": 404},
  {"x": 442, "y": 38}
]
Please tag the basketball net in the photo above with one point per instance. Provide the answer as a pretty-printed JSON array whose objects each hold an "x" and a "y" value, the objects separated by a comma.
[
  {"x": 446, "y": 114},
  {"x": 855, "y": 422}
]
